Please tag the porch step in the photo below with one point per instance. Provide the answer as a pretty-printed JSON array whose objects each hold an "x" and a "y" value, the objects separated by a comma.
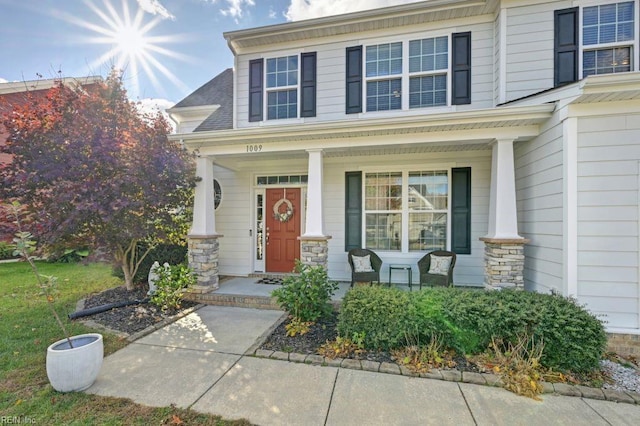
[{"x": 237, "y": 300}]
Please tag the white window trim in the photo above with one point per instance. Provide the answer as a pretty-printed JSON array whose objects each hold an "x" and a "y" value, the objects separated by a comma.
[
  {"x": 408, "y": 74},
  {"x": 635, "y": 45},
  {"x": 268, "y": 90},
  {"x": 404, "y": 170},
  {"x": 405, "y": 75}
]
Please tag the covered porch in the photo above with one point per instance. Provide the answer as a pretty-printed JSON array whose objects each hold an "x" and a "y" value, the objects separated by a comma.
[{"x": 323, "y": 153}]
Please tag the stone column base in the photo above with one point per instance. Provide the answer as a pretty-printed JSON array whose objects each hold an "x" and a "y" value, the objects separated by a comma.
[
  {"x": 314, "y": 251},
  {"x": 504, "y": 263},
  {"x": 203, "y": 260}
]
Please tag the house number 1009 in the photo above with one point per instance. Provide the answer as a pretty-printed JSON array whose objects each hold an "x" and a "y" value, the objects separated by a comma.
[{"x": 254, "y": 148}]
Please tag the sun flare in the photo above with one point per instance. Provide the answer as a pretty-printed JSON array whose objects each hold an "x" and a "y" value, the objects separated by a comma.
[{"x": 132, "y": 45}]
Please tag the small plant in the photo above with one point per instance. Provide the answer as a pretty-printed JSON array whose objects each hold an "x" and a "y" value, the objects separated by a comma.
[
  {"x": 171, "y": 285},
  {"x": 6, "y": 250},
  {"x": 297, "y": 326},
  {"x": 341, "y": 347},
  {"x": 519, "y": 365},
  {"x": 421, "y": 359},
  {"x": 306, "y": 296},
  {"x": 24, "y": 247}
]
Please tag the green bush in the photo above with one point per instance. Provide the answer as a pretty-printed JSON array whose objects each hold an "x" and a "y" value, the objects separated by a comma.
[
  {"x": 468, "y": 320},
  {"x": 307, "y": 295},
  {"x": 383, "y": 315},
  {"x": 574, "y": 339},
  {"x": 172, "y": 282},
  {"x": 6, "y": 250},
  {"x": 172, "y": 254}
]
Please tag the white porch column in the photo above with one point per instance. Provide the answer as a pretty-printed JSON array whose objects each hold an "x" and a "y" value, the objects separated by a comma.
[
  {"x": 204, "y": 218},
  {"x": 203, "y": 238},
  {"x": 503, "y": 219},
  {"x": 314, "y": 241},
  {"x": 315, "y": 214},
  {"x": 504, "y": 248}
]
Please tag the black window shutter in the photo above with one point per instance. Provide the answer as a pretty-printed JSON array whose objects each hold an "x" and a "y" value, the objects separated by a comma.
[
  {"x": 255, "y": 89},
  {"x": 461, "y": 210},
  {"x": 461, "y": 68},
  {"x": 354, "y": 80},
  {"x": 565, "y": 46},
  {"x": 308, "y": 85},
  {"x": 353, "y": 210}
]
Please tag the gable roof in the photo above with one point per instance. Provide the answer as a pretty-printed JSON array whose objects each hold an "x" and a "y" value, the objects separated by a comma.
[
  {"x": 416, "y": 13},
  {"x": 216, "y": 92}
]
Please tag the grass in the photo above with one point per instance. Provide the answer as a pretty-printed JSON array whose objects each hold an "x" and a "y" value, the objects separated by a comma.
[{"x": 27, "y": 328}]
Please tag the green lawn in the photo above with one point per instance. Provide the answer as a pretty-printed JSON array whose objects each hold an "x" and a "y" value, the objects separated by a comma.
[{"x": 27, "y": 328}]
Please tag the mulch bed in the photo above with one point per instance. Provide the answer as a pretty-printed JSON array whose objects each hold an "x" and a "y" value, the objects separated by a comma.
[
  {"x": 128, "y": 319},
  {"x": 324, "y": 331}
]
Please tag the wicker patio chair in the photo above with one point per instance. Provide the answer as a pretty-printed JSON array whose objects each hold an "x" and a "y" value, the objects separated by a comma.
[{"x": 440, "y": 274}]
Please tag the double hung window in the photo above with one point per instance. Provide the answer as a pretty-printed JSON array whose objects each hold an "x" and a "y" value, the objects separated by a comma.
[
  {"x": 423, "y": 74},
  {"x": 428, "y": 65},
  {"x": 384, "y": 76},
  {"x": 282, "y": 87},
  {"x": 406, "y": 211},
  {"x": 608, "y": 35}
]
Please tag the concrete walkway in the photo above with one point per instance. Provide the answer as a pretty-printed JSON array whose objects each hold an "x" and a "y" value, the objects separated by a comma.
[{"x": 200, "y": 362}]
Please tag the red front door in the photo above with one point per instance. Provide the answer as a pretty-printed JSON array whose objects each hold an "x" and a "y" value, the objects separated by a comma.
[{"x": 283, "y": 246}]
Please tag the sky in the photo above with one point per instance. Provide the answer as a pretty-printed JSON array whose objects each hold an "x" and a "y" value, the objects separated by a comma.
[{"x": 166, "y": 48}]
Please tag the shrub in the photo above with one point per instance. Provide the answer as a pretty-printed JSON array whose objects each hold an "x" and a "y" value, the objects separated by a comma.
[
  {"x": 574, "y": 339},
  {"x": 382, "y": 315},
  {"x": 307, "y": 295},
  {"x": 469, "y": 320},
  {"x": 172, "y": 254},
  {"x": 171, "y": 285},
  {"x": 6, "y": 250}
]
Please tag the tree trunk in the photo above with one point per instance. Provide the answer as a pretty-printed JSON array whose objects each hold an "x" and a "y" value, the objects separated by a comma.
[{"x": 128, "y": 276}]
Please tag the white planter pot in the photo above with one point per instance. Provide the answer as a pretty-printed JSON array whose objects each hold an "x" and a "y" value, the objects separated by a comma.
[{"x": 75, "y": 369}]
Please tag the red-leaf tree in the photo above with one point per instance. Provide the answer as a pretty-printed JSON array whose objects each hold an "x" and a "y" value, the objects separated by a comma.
[{"x": 95, "y": 171}]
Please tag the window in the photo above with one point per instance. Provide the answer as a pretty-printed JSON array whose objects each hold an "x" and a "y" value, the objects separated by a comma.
[
  {"x": 282, "y": 87},
  {"x": 428, "y": 210},
  {"x": 428, "y": 65},
  {"x": 382, "y": 61},
  {"x": 287, "y": 88},
  {"x": 406, "y": 210},
  {"x": 383, "y": 211},
  {"x": 432, "y": 71},
  {"x": 608, "y": 35}
]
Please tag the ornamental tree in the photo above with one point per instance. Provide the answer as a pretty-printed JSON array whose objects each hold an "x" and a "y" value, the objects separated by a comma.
[{"x": 95, "y": 172}]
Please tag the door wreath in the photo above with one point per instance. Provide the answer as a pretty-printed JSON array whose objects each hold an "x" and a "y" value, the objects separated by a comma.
[{"x": 282, "y": 216}]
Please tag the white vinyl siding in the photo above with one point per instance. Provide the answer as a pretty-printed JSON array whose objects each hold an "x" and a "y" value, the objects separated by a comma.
[
  {"x": 539, "y": 193},
  {"x": 608, "y": 217},
  {"x": 232, "y": 220},
  {"x": 330, "y": 100},
  {"x": 529, "y": 49}
]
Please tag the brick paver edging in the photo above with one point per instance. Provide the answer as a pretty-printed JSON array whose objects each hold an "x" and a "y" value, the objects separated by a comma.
[{"x": 486, "y": 379}]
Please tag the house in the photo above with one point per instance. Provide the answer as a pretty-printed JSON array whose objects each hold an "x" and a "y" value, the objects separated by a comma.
[
  {"x": 505, "y": 131},
  {"x": 13, "y": 94}
]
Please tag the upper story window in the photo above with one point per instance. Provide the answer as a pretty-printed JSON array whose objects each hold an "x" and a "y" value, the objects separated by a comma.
[
  {"x": 383, "y": 73},
  {"x": 595, "y": 39},
  {"x": 428, "y": 61},
  {"x": 282, "y": 87},
  {"x": 607, "y": 38},
  {"x": 428, "y": 66},
  {"x": 402, "y": 75},
  {"x": 285, "y": 86}
]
